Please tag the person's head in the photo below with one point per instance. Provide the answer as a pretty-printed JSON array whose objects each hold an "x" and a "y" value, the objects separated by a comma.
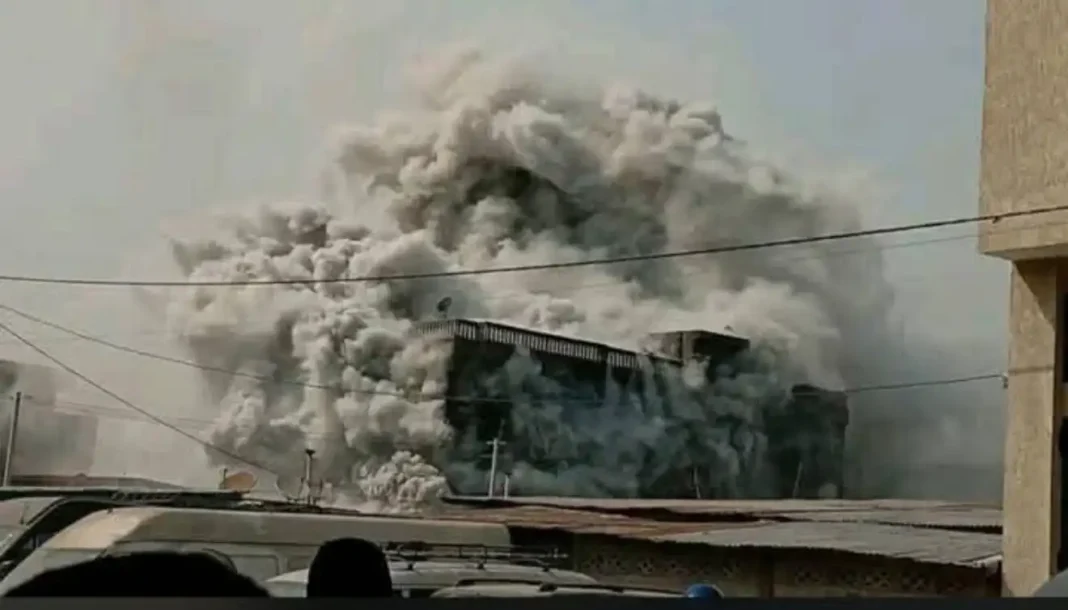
[
  {"x": 148, "y": 574},
  {"x": 702, "y": 591},
  {"x": 349, "y": 567}
]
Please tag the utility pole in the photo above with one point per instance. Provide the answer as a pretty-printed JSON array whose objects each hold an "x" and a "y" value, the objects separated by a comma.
[
  {"x": 495, "y": 455},
  {"x": 309, "y": 462},
  {"x": 12, "y": 436}
]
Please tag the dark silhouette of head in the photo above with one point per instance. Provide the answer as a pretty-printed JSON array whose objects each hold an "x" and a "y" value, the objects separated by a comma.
[
  {"x": 349, "y": 567},
  {"x": 703, "y": 591},
  {"x": 149, "y": 574}
]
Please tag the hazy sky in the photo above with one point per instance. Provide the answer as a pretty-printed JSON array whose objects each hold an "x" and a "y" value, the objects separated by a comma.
[{"x": 93, "y": 159}]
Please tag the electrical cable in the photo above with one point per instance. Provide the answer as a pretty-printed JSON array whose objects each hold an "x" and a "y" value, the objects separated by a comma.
[
  {"x": 102, "y": 411},
  {"x": 473, "y": 399},
  {"x": 724, "y": 249},
  {"x": 158, "y": 420}
]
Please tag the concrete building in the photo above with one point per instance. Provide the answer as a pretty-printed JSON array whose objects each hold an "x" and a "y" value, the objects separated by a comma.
[
  {"x": 805, "y": 439},
  {"x": 1025, "y": 167}
]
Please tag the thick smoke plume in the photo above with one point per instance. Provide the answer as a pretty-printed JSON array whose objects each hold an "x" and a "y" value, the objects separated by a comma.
[{"x": 499, "y": 165}]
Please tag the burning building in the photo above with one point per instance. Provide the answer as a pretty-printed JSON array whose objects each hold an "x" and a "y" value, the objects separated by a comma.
[
  {"x": 47, "y": 441},
  {"x": 789, "y": 445}
]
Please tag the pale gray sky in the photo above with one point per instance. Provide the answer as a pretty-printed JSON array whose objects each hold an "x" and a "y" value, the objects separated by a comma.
[
  {"x": 893, "y": 87},
  {"x": 890, "y": 88}
]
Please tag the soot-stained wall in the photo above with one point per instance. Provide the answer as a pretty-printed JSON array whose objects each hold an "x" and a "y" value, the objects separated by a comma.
[{"x": 496, "y": 372}]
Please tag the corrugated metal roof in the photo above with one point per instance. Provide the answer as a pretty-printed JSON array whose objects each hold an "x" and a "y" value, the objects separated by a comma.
[
  {"x": 573, "y": 521},
  {"x": 539, "y": 341},
  {"x": 938, "y": 514},
  {"x": 715, "y": 506},
  {"x": 977, "y": 518},
  {"x": 916, "y": 544},
  {"x": 928, "y": 545}
]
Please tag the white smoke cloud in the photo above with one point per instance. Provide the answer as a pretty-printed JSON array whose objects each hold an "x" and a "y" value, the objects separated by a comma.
[{"x": 498, "y": 165}]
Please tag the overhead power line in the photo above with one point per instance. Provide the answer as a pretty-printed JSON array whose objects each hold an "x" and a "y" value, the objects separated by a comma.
[
  {"x": 583, "y": 286},
  {"x": 112, "y": 412},
  {"x": 723, "y": 249},
  {"x": 865, "y": 389},
  {"x": 148, "y": 414}
]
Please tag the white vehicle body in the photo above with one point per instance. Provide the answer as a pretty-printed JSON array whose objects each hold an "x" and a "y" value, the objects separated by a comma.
[
  {"x": 259, "y": 544},
  {"x": 424, "y": 578}
]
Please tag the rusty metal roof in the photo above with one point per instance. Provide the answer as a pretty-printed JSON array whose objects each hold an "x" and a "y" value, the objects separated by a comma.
[
  {"x": 573, "y": 521},
  {"x": 927, "y": 513},
  {"x": 979, "y": 519},
  {"x": 917, "y": 544},
  {"x": 926, "y": 545}
]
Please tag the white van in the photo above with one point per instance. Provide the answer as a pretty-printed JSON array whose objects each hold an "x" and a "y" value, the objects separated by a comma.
[{"x": 259, "y": 544}]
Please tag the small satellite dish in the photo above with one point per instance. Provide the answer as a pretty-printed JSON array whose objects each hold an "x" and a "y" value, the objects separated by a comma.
[
  {"x": 240, "y": 481},
  {"x": 290, "y": 488}
]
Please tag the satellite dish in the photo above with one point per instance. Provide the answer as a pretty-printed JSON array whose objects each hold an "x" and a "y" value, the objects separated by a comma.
[
  {"x": 290, "y": 488},
  {"x": 240, "y": 481}
]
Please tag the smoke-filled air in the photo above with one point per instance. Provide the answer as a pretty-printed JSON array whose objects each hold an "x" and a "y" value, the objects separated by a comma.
[{"x": 496, "y": 164}]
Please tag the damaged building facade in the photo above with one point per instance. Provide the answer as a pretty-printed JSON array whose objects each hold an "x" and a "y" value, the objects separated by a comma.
[{"x": 803, "y": 435}]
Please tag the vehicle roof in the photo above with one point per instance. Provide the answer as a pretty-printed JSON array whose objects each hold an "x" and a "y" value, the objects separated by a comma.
[
  {"x": 533, "y": 589},
  {"x": 448, "y": 573},
  {"x": 104, "y": 528}
]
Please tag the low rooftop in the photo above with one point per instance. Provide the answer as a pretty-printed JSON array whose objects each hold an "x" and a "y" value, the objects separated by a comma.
[{"x": 927, "y": 532}]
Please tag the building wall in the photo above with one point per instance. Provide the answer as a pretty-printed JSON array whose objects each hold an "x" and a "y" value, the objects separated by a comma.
[
  {"x": 1025, "y": 128},
  {"x": 1024, "y": 167},
  {"x": 805, "y": 442},
  {"x": 1031, "y": 496},
  {"x": 781, "y": 573}
]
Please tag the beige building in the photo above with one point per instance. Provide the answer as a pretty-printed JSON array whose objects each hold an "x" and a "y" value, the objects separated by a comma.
[{"x": 1025, "y": 167}]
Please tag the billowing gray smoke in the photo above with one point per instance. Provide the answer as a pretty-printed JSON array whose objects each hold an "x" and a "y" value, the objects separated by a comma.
[{"x": 498, "y": 166}]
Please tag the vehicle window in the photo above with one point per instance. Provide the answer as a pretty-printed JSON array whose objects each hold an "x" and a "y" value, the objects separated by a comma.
[{"x": 43, "y": 560}]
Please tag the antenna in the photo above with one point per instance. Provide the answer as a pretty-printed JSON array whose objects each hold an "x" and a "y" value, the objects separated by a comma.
[
  {"x": 495, "y": 454},
  {"x": 309, "y": 463}
]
